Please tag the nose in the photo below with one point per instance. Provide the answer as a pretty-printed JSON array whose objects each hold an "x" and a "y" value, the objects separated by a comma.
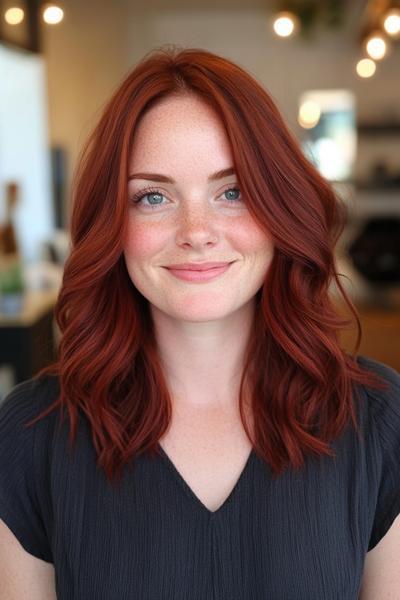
[{"x": 197, "y": 227}]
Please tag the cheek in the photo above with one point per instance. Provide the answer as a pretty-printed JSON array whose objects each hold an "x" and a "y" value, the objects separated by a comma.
[
  {"x": 142, "y": 242},
  {"x": 253, "y": 241}
]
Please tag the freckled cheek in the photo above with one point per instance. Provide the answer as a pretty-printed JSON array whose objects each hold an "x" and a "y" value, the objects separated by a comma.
[
  {"x": 251, "y": 240},
  {"x": 143, "y": 242}
]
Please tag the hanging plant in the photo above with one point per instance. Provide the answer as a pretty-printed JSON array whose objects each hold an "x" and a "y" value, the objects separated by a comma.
[{"x": 311, "y": 13}]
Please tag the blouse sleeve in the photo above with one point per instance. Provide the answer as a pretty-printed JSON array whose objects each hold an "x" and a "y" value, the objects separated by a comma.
[
  {"x": 20, "y": 478},
  {"x": 385, "y": 412}
]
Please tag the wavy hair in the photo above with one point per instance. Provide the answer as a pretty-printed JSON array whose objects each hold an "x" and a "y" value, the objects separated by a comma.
[{"x": 303, "y": 384}]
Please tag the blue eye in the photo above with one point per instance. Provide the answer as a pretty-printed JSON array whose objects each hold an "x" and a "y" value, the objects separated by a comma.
[
  {"x": 137, "y": 198},
  {"x": 232, "y": 191},
  {"x": 158, "y": 198},
  {"x": 154, "y": 197}
]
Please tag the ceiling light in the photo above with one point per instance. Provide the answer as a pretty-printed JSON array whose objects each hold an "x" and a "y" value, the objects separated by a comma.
[
  {"x": 309, "y": 114},
  {"x": 285, "y": 24},
  {"x": 14, "y": 16},
  {"x": 52, "y": 14},
  {"x": 391, "y": 22},
  {"x": 365, "y": 67},
  {"x": 376, "y": 46}
]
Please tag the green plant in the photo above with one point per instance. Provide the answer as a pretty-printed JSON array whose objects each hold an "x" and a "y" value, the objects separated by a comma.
[{"x": 11, "y": 280}]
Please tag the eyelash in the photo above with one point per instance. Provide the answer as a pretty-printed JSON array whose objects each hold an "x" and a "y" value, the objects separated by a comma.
[{"x": 138, "y": 197}]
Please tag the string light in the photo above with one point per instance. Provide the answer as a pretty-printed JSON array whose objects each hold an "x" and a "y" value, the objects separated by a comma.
[
  {"x": 52, "y": 14},
  {"x": 365, "y": 67},
  {"x": 376, "y": 46},
  {"x": 14, "y": 16},
  {"x": 309, "y": 114},
  {"x": 391, "y": 22},
  {"x": 285, "y": 24}
]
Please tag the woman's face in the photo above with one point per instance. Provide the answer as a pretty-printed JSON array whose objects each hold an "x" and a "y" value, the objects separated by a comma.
[{"x": 192, "y": 217}]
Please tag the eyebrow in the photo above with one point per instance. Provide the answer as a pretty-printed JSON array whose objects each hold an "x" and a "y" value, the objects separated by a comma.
[{"x": 164, "y": 179}]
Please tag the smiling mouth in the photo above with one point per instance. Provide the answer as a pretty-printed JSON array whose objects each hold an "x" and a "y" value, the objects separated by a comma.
[
  {"x": 206, "y": 266},
  {"x": 191, "y": 274}
]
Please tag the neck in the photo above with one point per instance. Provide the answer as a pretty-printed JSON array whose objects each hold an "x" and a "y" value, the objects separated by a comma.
[{"x": 203, "y": 361}]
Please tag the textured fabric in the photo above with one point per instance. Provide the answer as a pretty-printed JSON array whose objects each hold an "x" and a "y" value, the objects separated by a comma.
[{"x": 303, "y": 536}]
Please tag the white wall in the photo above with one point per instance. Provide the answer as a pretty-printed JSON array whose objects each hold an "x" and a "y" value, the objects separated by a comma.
[
  {"x": 100, "y": 41},
  {"x": 24, "y": 147}
]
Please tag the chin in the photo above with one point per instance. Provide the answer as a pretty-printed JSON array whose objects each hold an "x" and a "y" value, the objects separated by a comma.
[{"x": 201, "y": 315}]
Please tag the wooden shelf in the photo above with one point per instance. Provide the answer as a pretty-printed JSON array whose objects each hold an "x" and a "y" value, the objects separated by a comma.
[
  {"x": 36, "y": 303},
  {"x": 380, "y": 334},
  {"x": 390, "y": 128}
]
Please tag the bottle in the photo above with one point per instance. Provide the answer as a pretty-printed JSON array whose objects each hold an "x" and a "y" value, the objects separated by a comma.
[
  {"x": 8, "y": 237},
  {"x": 11, "y": 272}
]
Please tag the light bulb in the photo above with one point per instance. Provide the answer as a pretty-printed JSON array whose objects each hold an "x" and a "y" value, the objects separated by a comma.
[
  {"x": 309, "y": 114},
  {"x": 285, "y": 24},
  {"x": 376, "y": 46},
  {"x": 365, "y": 67},
  {"x": 391, "y": 22},
  {"x": 14, "y": 16},
  {"x": 52, "y": 14}
]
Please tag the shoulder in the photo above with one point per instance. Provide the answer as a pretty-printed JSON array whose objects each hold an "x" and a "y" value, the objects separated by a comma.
[
  {"x": 29, "y": 398},
  {"x": 25, "y": 453},
  {"x": 382, "y": 428},
  {"x": 23, "y": 403},
  {"x": 383, "y": 404},
  {"x": 381, "y": 569},
  {"x": 389, "y": 374}
]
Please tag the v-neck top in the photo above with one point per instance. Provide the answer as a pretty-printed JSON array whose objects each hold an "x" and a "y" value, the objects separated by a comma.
[
  {"x": 186, "y": 489},
  {"x": 301, "y": 536}
]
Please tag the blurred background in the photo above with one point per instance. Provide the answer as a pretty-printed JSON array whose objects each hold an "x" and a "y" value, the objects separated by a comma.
[{"x": 332, "y": 67}]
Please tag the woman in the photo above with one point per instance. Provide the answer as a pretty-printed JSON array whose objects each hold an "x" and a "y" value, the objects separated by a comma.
[{"x": 217, "y": 441}]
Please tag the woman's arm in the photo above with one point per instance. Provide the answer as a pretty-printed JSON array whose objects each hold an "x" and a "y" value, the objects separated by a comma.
[
  {"x": 381, "y": 577},
  {"x": 22, "y": 575}
]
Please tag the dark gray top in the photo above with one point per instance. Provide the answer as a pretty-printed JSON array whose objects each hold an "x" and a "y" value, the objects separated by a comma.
[{"x": 301, "y": 537}]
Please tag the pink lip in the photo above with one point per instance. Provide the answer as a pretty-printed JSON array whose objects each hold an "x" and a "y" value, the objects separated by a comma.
[
  {"x": 200, "y": 266},
  {"x": 199, "y": 274}
]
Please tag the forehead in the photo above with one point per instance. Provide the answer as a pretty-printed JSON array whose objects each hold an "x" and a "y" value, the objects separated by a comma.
[
  {"x": 179, "y": 128},
  {"x": 178, "y": 107}
]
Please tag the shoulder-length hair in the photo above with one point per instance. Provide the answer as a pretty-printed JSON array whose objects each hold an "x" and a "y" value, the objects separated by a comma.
[{"x": 302, "y": 383}]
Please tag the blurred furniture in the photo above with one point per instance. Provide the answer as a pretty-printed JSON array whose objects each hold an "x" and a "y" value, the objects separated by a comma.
[
  {"x": 376, "y": 292},
  {"x": 375, "y": 252},
  {"x": 380, "y": 333},
  {"x": 27, "y": 338}
]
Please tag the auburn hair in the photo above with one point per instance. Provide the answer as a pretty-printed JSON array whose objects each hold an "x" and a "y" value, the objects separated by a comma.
[{"x": 302, "y": 383}]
